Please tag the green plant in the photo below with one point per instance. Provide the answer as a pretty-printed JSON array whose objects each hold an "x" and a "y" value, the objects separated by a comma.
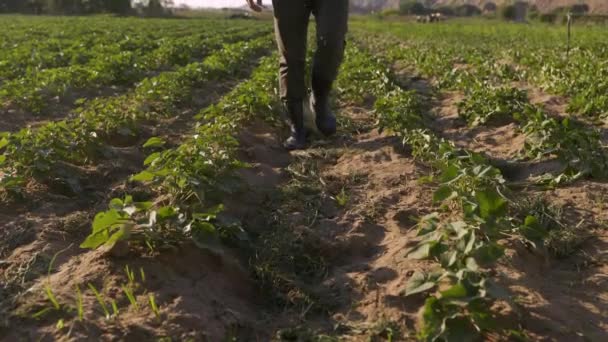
[
  {"x": 130, "y": 275},
  {"x": 116, "y": 64},
  {"x": 100, "y": 300},
  {"x": 465, "y": 245},
  {"x": 115, "y": 311},
  {"x": 142, "y": 275},
  {"x": 46, "y": 153},
  {"x": 485, "y": 105},
  {"x": 51, "y": 296},
  {"x": 60, "y": 324},
  {"x": 153, "y": 306},
  {"x": 142, "y": 223},
  {"x": 577, "y": 146},
  {"x": 463, "y": 248},
  {"x": 191, "y": 178},
  {"x": 79, "y": 304},
  {"x": 48, "y": 289},
  {"x": 129, "y": 293},
  {"x": 342, "y": 198}
]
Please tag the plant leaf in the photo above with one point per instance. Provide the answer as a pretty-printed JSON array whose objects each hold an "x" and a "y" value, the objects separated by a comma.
[
  {"x": 456, "y": 291},
  {"x": 443, "y": 193},
  {"x": 460, "y": 329},
  {"x": 489, "y": 253},
  {"x": 491, "y": 204},
  {"x": 102, "y": 224},
  {"x": 205, "y": 236},
  {"x": 449, "y": 173},
  {"x": 472, "y": 264},
  {"x": 154, "y": 142},
  {"x": 144, "y": 176},
  {"x": 419, "y": 282},
  {"x": 166, "y": 212},
  {"x": 151, "y": 158},
  {"x": 422, "y": 251}
]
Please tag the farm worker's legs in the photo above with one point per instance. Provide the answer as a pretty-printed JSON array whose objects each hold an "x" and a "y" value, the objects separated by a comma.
[
  {"x": 332, "y": 23},
  {"x": 291, "y": 25}
]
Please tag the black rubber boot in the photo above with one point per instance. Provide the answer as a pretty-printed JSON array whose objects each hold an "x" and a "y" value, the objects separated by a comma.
[
  {"x": 326, "y": 120},
  {"x": 295, "y": 115}
]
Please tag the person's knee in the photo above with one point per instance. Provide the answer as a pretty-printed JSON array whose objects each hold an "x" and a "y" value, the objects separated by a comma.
[
  {"x": 329, "y": 55},
  {"x": 330, "y": 43},
  {"x": 293, "y": 68},
  {"x": 293, "y": 75}
]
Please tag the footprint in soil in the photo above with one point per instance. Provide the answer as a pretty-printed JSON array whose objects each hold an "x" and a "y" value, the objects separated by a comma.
[
  {"x": 363, "y": 239},
  {"x": 383, "y": 275},
  {"x": 406, "y": 219}
]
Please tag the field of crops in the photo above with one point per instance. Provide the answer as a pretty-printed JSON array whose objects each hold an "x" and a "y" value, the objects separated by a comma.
[{"x": 144, "y": 193}]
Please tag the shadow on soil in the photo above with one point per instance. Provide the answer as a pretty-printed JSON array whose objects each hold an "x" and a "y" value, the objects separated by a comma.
[{"x": 553, "y": 291}]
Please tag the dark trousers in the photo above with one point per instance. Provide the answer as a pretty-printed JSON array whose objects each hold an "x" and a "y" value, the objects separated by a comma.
[{"x": 291, "y": 28}]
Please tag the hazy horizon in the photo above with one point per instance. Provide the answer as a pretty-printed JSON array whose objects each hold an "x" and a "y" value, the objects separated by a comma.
[{"x": 212, "y": 3}]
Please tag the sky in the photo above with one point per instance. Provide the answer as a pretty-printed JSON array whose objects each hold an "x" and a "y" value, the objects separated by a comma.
[{"x": 212, "y": 3}]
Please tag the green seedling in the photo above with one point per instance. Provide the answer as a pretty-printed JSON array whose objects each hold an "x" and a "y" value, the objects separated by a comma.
[
  {"x": 154, "y": 306},
  {"x": 79, "y": 304},
  {"x": 100, "y": 300},
  {"x": 342, "y": 198},
  {"x": 129, "y": 293}
]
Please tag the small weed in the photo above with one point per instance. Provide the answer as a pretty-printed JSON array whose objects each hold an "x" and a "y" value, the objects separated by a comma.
[
  {"x": 153, "y": 306},
  {"x": 548, "y": 216},
  {"x": 305, "y": 179},
  {"x": 130, "y": 275},
  {"x": 372, "y": 211},
  {"x": 115, "y": 311},
  {"x": 142, "y": 275},
  {"x": 129, "y": 293},
  {"x": 288, "y": 255},
  {"x": 48, "y": 290},
  {"x": 342, "y": 198},
  {"x": 295, "y": 334},
  {"x": 51, "y": 296},
  {"x": 79, "y": 305},
  {"x": 564, "y": 242},
  {"x": 385, "y": 330},
  {"x": 100, "y": 300},
  {"x": 550, "y": 230}
]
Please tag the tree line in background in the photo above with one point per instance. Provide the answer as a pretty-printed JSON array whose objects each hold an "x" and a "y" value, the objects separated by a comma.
[
  {"x": 415, "y": 7},
  {"x": 124, "y": 7},
  {"x": 515, "y": 11}
]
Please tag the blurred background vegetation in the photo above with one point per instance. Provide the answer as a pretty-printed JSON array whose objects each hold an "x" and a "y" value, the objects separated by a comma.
[{"x": 75, "y": 7}]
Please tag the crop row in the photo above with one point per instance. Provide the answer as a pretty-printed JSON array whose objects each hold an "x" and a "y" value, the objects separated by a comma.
[
  {"x": 463, "y": 239},
  {"x": 537, "y": 55},
  {"x": 39, "y": 152},
  {"x": 33, "y": 91},
  {"x": 577, "y": 146},
  {"x": 31, "y": 48},
  {"x": 32, "y": 56},
  {"x": 187, "y": 183},
  {"x": 580, "y": 75},
  {"x": 490, "y": 100},
  {"x": 190, "y": 181}
]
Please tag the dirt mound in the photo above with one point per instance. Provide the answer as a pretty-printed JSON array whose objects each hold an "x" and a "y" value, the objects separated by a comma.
[{"x": 201, "y": 295}]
